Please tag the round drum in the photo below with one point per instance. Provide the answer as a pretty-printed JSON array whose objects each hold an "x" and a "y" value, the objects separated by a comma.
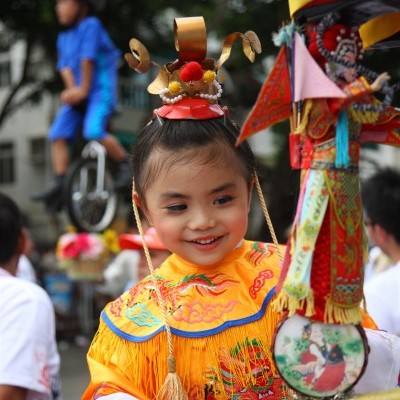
[{"x": 319, "y": 360}]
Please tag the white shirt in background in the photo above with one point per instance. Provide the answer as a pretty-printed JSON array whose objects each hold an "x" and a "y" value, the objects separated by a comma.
[
  {"x": 382, "y": 295},
  {"x": 28, "y": 350}
]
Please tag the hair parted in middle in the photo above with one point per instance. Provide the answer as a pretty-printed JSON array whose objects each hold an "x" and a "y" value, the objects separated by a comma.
[{"x": 182, "y": 139}]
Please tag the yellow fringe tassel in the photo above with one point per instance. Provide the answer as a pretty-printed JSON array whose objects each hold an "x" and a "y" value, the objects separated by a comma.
[
  {"x": 172, "y": 387},
  {"x": 305, "y": 117},
  {"x": 365, "y": 117},
  {"x": 341, "y": 315},
  {"x": 291, "y": 304},
  {"x": 310, "y": 310}
]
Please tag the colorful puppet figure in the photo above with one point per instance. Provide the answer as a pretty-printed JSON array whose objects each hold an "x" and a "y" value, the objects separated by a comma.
[{"x": 323, "y": 266}]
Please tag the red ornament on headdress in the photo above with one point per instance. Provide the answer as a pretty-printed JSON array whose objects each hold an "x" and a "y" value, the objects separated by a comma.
[{"x": 192, "y": 71}]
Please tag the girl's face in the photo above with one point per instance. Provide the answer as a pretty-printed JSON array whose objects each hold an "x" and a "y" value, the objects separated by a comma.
[
  {"x": 67, "y": 11},
  {"x": 200, "y": 211}
]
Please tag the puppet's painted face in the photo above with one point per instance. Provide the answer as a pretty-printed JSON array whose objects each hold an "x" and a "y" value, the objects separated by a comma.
[
  {"x": 340, "y": 72},
  {"x": 349, "y": 74}
]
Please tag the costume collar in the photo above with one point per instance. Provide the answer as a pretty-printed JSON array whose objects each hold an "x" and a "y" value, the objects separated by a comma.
[{"x": 202, "y": 301}]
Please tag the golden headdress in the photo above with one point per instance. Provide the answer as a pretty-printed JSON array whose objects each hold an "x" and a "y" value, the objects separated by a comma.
[{"x": 190, "y": 86}]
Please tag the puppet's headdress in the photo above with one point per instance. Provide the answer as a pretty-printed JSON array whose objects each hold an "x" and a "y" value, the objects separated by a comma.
[
  {"x": 331, "y": 41},
  {"x": 338, "y": 40},
  {"x": 190, "y": 86}
]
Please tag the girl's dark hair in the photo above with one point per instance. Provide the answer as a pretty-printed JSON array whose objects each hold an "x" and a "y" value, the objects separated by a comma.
[{"x": 214, "y": 135}]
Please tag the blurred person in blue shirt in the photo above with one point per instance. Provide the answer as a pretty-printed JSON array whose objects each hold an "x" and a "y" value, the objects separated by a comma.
[{"x": 88, "y": 65}]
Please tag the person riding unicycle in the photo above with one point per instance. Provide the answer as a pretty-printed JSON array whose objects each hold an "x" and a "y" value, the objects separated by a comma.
[{"x": 87, "y": 63}]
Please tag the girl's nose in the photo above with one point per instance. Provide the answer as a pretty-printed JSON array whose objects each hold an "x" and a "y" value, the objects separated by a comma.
[{"x": 201, "y": 220}]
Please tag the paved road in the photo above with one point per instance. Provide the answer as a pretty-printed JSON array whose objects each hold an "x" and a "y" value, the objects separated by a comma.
[{"x": 74, "y": 371}]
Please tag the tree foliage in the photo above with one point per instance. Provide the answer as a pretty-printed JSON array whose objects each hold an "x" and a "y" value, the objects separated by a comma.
[{"x": 151, "y": 21}]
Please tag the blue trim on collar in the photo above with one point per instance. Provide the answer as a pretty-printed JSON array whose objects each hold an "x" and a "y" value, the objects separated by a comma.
[{"x": 199, "y": 334}]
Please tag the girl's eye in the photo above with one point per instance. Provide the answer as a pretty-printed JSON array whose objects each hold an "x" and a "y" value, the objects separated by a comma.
[
  {"x": 176, "y": 207},
  {"x": 223, "y": 199}
]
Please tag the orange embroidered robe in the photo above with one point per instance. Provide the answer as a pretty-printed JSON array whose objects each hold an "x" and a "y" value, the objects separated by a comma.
[{"x": 222, "y": 326}]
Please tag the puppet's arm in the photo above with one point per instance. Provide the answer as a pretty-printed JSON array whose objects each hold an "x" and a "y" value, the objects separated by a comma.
[{"x": 386, "y": 130}]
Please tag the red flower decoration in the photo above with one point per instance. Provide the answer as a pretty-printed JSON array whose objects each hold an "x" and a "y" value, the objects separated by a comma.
[
  {"x": 74, "y": 249},
  {"x": 192, "y": 71}
]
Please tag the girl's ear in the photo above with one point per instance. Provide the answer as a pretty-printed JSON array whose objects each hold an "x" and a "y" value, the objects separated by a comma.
[
  {"x": 136, "y": 199},
  {"x": 380, "y": 235},
  {"x": 139, "y": 204}
]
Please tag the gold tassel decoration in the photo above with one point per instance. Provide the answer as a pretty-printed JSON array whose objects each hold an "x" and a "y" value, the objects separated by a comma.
[
  {"x": 292, "y": 304},
  {"x": 172, "y": 387},
  {"x": 364, "y": 117},
  {"x": 310, "y": 310},
  {"x": 281, "y": 302},
  {"x": 301, "y": 126}
]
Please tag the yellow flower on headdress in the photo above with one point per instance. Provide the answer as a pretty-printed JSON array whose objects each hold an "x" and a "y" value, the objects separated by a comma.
[
  {"x": 209, "y": 76},
  {"x": 174, "y": 87}
]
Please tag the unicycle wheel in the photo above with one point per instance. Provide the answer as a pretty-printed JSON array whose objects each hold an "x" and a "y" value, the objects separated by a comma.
[{"x": 90, "y": 209}]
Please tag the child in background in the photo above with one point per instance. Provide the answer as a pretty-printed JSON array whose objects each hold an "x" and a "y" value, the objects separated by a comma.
[
  {"x": 133, "y": 242},
  {"x": 201, "y": 325},
  {"x": 87, "y": 62},
  {"x": 130, "y": 266}
]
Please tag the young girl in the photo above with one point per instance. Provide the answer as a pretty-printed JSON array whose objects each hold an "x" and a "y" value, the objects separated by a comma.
[
  {"x": 194, "y": 187},
  {"x": 205, "y": 314}
]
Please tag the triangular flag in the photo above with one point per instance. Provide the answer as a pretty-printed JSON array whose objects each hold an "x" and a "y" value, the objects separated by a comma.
[
  {"x": 274, "y": 100},
  {"x": 310, "y": 81}
]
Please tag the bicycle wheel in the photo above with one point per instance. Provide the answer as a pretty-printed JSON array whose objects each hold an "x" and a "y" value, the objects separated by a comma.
[{"x": 90, "y": 209}]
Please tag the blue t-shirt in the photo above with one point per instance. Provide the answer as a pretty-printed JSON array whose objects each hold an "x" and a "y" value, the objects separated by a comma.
[{"x": 90, "y": 40}]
